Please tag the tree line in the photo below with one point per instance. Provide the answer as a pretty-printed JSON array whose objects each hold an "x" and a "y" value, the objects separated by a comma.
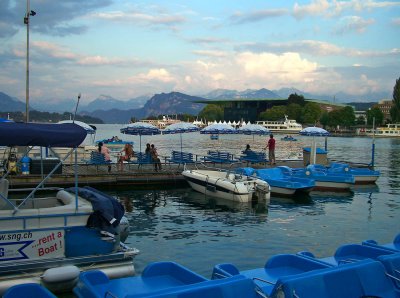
[{"x": 310, "y": 113}]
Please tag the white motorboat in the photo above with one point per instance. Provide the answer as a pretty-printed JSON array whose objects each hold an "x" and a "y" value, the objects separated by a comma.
[
  {"x": 50, "y": 239},
  {"x": 227, "y": 185},
  {"x": 284, "y": 126}
]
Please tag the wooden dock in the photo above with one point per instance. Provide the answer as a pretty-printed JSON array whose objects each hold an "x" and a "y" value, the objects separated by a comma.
[{"x": 131, "y": 176}]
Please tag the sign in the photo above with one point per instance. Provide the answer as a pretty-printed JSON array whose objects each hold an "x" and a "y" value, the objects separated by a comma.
[{"x": 32, "y": 245}]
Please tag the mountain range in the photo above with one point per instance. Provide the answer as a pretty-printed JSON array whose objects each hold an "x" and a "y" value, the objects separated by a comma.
[{"x": 112, "y": 110}]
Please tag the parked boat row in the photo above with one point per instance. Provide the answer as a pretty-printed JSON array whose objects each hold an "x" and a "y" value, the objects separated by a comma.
[
  {"x": 240, "y": 183},
  {"x": 355, "y": 270}
]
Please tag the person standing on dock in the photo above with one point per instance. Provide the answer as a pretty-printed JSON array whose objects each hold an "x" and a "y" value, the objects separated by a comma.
[
  {"x": 106, "y": 152},
  {"x": 271, "y": 150}
]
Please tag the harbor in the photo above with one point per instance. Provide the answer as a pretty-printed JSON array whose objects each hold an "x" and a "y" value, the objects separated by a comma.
[{"x": 169, "y": 221}]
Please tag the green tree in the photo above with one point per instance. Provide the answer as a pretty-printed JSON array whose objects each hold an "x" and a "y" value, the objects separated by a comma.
[
  {"x": 377, "y": 113},
  {"x": 395, "y": 110},
  {"x": 294, "y": 111},
  {"x": 348, "y": 116},
  {"x": 335, "y": 118},
  {"x": 324, "y": 119},
  {"x": 212, "y": 112},
  {"x": 311, "y": 112},
  {"x": 274, "y": 113},
  {"x": 297, "y": 99}
]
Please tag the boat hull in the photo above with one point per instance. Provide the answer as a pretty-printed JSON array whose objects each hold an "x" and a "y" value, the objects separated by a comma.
[
  {"x": 358, "y": 179},
  {"x": 216, "y": 184},
  {"x": 332, "y": 186}
]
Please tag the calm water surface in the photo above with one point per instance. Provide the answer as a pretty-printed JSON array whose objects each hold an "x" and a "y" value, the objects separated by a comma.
[{"x": 199, "y": 232}]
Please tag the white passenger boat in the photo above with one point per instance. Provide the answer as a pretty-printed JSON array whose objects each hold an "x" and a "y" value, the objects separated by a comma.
[
  {"x": 227, "y": 185},
  {"x": 390, "y": 131},
  {"x": 49, "y": 240},
  {"x": 284, "y": 126}
]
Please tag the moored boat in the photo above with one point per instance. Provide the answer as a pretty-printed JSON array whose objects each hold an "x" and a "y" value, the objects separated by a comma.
[
  {"x": 163, "y": 279},
  {"x": 361, "y": 175},
  {"x": 281, "y": 183},
  {"x": 114, "y": 144},
  {"x": 49, "y": 239},
  {"x": 324, "y": 181},
  {"x": 227, "y": 185},
  {"x": 289, "y": 138}
]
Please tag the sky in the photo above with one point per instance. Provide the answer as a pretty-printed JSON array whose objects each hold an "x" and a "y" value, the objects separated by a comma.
[{"x": 126, "y": 49}]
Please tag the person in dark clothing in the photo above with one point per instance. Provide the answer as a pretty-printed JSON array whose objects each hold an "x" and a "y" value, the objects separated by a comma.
[
  {"x": 148, "y": 149},
  {"x": 155, "y": 158}
]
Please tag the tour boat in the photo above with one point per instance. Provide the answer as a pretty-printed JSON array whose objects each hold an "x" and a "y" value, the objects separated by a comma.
[
  {"x": 390, "y": 131},
  {"x": 284, "y": 126},
  {"x": 50, "y": 239},
  {"x": 227, "y": 185}
]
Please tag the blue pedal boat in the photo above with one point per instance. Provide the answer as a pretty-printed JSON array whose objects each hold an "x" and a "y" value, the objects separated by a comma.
[
  {"x": 30, "y": 290},
  {"x": 281, "y": 183},
  {"x": 163, "y": 279},
  {"x": 276, "y": 267},
  {"x": 350, "y": 253},
  {"x": 366, "y": 278},
  {"x": 324, "y": 180},
  {"x": 361, "y": 175},
  {"x": 394, "y": 246}
]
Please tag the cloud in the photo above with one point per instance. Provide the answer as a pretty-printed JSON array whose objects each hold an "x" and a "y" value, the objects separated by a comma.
[
  {"x": 317, "y": 7},
  {"x": 208, "y": 40},
  {"x": 255, "y": 16},
  {"x": 353, "y": 24},
  {"x": 334, "y": 8},
  {"x": 167, "y": 20},
  {"x": 315, "y": 48},
  {"x": 210, "y": 53}
]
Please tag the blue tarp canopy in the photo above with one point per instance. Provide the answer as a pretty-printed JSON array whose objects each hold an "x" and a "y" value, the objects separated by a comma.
[{"x": 38, "y": 134}]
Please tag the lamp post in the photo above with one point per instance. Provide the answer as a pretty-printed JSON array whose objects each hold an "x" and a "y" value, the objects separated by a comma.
[{"x": 26, "y": 22}]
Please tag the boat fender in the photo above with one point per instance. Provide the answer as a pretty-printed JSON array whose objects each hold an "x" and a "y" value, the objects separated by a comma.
[{"x": 60, "y": 274}]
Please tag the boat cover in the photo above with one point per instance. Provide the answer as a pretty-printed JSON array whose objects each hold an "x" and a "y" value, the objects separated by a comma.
[
  {"x": 41, "y": 134},
  {"x": 107, "y": 210}
]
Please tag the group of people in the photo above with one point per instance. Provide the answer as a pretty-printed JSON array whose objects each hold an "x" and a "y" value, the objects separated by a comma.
[
  {"x": 127, "y": 154},
  {"x": 271, "y": 149},
  {"x": 151, "y": 151}
]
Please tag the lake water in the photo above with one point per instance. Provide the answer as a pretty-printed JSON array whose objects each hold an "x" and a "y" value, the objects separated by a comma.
[{"x": 198, "y": 232}]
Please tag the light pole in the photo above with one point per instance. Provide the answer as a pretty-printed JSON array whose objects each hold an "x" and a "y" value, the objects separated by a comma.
[{"x": 26, "y": 22}]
